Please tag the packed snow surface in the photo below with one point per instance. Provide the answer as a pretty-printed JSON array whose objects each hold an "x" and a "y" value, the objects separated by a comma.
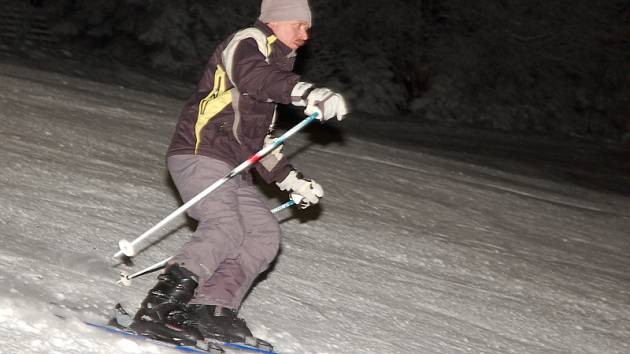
[{"x": 411, "y": 251}]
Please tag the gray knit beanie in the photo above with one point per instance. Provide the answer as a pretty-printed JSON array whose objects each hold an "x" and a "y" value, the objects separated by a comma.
[{"x": 285, "y": 10}]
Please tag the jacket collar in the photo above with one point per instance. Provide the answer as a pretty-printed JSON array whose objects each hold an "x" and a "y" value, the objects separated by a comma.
[{"x": 278, "y": 45}]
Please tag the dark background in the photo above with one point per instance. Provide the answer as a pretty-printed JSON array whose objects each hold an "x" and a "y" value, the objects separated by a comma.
[{"x": 553, "y": 67}]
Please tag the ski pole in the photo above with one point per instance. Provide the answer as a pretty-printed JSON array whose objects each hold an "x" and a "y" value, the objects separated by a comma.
[
  {"x": 290, "y": 203},
  {"x": 125, "y": 279},
  {"x": 129, "y": 248}
]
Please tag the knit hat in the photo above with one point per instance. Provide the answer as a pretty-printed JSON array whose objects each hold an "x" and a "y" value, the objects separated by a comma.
[{"x": 284, "y": 10}]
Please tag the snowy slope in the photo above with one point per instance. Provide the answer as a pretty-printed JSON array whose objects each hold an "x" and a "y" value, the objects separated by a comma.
[{"x": 411, "y": 251}]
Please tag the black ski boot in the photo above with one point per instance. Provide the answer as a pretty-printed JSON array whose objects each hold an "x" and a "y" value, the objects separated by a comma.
[
  {"x": 163, "y": 312},
  {"x": 219, "y": 323}
]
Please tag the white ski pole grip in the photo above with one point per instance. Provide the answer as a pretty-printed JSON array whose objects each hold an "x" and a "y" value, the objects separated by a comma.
[{"x": 129, "y": 248}]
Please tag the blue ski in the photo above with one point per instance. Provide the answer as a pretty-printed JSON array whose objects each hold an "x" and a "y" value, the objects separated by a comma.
[
  {"x": 132, "y": 335},
  {"x": 208, "y": 346},
  {"x": 212, "y": 349}
]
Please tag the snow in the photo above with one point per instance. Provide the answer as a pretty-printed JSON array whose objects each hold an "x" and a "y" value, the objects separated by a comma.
[{"x": 412, "y": 250}]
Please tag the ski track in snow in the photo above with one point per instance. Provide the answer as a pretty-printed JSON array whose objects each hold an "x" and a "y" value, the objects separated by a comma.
[{"x": 409, "y": 252}]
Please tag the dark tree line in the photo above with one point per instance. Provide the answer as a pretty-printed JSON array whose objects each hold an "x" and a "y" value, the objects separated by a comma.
[
  {"x": 555, "y": 66},
  {"x": 551, "y": 66}
]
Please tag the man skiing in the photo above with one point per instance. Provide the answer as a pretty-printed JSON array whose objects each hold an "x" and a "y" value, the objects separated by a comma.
[{"x": 227, "y": 119}]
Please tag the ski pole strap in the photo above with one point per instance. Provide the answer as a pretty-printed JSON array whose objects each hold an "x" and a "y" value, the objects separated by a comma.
[{"x": 128, "y": 248}]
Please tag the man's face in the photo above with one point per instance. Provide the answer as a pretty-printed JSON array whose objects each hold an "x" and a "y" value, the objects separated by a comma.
[{"x": 292, "y": 33}]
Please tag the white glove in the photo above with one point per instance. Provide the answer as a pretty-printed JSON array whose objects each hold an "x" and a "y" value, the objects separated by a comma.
[
  {"x": 300, "y": 92},
  {"x": 321, "y": 100},
  {"x": 309, "y": 190}
]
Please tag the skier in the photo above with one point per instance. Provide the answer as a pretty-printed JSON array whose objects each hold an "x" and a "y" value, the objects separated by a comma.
[{"x": 227, "y": 119}]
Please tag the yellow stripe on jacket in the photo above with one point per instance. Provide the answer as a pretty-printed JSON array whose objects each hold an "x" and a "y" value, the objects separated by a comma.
[{"x": 214, "y": 103}]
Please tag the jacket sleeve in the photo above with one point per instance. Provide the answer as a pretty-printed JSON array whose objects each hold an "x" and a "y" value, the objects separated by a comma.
[
  {"x": 274, "y": 167},
  {"x": 278, "y": 173},
  {"x": 253, "y": 76}
]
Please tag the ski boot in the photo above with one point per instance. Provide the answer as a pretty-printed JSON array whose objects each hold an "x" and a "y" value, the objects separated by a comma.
[
  {"x": 162, "y": 314},
  {"x": 219, "y": 323}
]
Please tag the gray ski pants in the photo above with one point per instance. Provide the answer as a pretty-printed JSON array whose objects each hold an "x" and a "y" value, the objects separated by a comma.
[{"x": 237, "y": 236}]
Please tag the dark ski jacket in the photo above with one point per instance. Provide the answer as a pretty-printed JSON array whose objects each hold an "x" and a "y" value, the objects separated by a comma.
[{"x": 229, "y": 115}]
